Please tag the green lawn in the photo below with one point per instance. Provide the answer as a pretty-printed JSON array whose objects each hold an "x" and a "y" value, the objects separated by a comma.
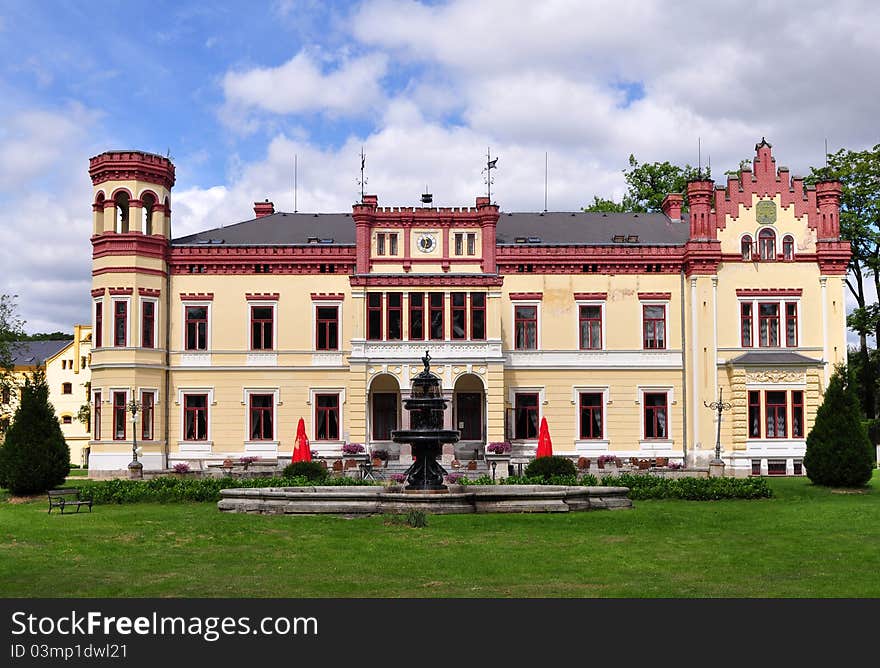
[{"x": 805, "y": 542}]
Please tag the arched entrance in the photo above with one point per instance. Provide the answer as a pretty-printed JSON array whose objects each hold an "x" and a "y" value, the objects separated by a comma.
[
  {"x": 383, "y": 412},
  {"x": 469, "y": 415}
]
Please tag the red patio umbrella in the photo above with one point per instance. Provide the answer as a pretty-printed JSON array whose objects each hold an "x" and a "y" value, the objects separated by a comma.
[
  {"x": 545, "y": 445},
  {"x": 301, "y": 449}
]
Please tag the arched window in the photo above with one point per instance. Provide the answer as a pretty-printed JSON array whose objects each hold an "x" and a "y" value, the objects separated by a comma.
[
  {"x": 121, "y": 200},
  {"x": 148, "y": 203},
  {"x": 98, "y": 213},
  {"x": 767, "y": 244},
  {"x": 788, "y": 247},
  {"x": 746, "y": 246}
]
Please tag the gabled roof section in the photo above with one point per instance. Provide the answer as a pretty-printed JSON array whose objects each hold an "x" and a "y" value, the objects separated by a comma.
[
  {"x": 33, "y": 353},
  {"x": 279, "y": 229},
  {"x": 593, "y": 229}
]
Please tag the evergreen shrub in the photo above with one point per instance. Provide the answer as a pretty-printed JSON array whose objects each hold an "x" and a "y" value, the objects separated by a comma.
[
  {"x": 545, "y": 467},
  {"x": 313, "y": 471}
]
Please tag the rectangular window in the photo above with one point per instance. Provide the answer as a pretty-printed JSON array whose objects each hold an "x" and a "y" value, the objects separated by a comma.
[
  {"x": 775, "y": 409},
  {"x": 99, "y": 324},
  {"x": 776, "y": 467},
  {"x": 327, "y": 328},
  {"x": 526, "y": 416},
  {"x": 525, "y": 327},
  {"x": 791, "y": 338},
  {"x": 380, "y": 244},
  {"x": 416, "y": 316},
  {"x": 261, "y": 417},
  {"x": 436, "y": 315},
  {"x": 119, "y": 416},
  {"x": 756, "y": 467},
  {"x": 459, "y": 315},
  {"x": 196, "y": 328},
  {"x": 392, "y": 244},
  {"x": 148, "y": 324},
  {"x": 754, "y": 414},
  {"x": 195, "y": 417},
  {"x": 374, "y": 316},
  {"x": 120, "y": 323},
  {"x": 745, "y": 311},
  {"x": 590, "y": 318},
  {"x": 384, "y": 415},
  {"x": 459, "y": 244},
  {"x": 654, "y": 326},
  {"x": 656, "y": 423},
  {"x": 471, "y": 244},
  {"x": 478, "y": 316},
  {"x": 394, "y": 315},
  {"x": 797, "y": 414},
  {"x": 798, "y": 467},
  {"x": 262, "y": 318},
  {"x": 66, "y": 388},
  {"x": 768, "y": 325},
  {"x": 147, "y": 402},
  {"x": 327, "y": 417},
  {"x": 591, "y": 415},
  {"x": 97, "y": 419}
]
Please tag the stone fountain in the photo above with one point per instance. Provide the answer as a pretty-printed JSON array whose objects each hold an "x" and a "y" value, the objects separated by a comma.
[{"x": 426, "y": 433}]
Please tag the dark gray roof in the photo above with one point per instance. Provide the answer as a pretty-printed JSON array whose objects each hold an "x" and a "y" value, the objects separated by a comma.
[
  {"x": 780, "y": 358},
  {"x": 31, "y": 353},
  {"x": 550, "y": 228}
]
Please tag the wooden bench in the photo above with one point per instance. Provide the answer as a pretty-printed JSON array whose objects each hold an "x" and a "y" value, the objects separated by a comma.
[{"x": 68, "y": 497}]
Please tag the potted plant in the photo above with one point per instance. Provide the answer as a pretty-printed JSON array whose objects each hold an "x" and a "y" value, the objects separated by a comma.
[
  {"x": 352, "y": 449},
  {"x": 181, "y": 469},
  {"x": 394, "y": 482},
  {"x": 247, "y": 461},
  {"x": 608, "y": 462}
]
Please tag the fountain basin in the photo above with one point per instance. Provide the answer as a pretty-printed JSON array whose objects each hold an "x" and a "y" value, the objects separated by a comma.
[{"x": 377, "y": 500}]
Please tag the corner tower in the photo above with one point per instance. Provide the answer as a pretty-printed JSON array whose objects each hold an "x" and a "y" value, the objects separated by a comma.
[{"x": 131, "y": 231}]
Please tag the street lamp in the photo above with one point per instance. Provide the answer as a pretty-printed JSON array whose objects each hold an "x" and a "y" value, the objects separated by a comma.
[
  {"x": 720, "y": 406},
  {"x": 135, "y": 468}
]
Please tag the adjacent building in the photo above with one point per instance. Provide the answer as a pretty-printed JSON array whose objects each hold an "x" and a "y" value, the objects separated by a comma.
[{"x": 615, "y": 327}]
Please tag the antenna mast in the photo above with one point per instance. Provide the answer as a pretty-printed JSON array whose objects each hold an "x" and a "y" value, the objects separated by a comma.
[
  {"x": 487, "y": 170},
  {"x": 546, "y": 171},
  {"x": 295, "y": 184},
  {"x": 699, "y": 159},
  {"x": 362, "y": 181}
]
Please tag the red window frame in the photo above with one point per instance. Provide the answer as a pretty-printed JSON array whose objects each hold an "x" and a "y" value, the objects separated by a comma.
[
  {"x": 525, "y": 327},
  {"x": 326, "y": 411},
  {"x": 326, "y": 327},
  {"x": 472, "y": 243},
  {"x": 436, "y": 306},
  {"x": 651, "y": 417},
  {"x": 791, "y": 324},
  {"x": 478, "y": 315},
  {"x": 191, "y": 413},
  {"x": 261, "y": 419},
  {"x": 147, "y": 415},
  {"x": 374, "y": 308},
  {"x": 585, "y": 326},
  {"x": 416, "y": 315},
  {"x": 96, "y": 430},
  {"x": 119, "y": 406},
  {"x": 458, "y": 310},
  {"x": 655, "y": 326},
  {"x": 120, "y": 323},
  {"x": 587, "y": 412},
  {"x": 772, "y": 413},
  {"x": 756, "y": 467},
  {"x": 776, "y": 467},
  {"x": 393, "y": 316},
  {"x": 754, "y": 424},
  {"x": 392, "y": 244},
  {"x": 769, "y": 319},
  {"x": 797, "y": 414},
  {"x": 99, "y": 324},
  {"x": 196, "y": 329},
  {"x": 262, "y": 327},
  {"x": 746, "y": 330},
  {"x": 148, "y": 324},
  {"x": 380, "y": 243},
  {"x": 526, "y": 403},
  {"x": 459, "y": 243},
  {"x": 788, "y": 248}
]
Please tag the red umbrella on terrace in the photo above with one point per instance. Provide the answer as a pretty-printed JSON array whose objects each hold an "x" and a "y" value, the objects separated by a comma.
[
  {"x": 301, "y": 450},
  {"x": 545, "y": 445}
]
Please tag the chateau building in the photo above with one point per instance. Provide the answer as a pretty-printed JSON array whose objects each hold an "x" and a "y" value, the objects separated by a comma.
[{"x": 615, "y": 327}]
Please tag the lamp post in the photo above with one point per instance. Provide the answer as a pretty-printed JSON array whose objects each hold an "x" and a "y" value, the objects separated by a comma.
[
  {"x": 135, "y": 468},
  {"x": 719, "y": 406}
]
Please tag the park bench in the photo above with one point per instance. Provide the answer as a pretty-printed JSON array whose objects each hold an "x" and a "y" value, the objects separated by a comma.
[{"x": 67, "y": 498}]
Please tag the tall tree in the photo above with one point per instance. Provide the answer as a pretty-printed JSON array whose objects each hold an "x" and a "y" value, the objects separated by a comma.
[{"x": 10, "y": 330}]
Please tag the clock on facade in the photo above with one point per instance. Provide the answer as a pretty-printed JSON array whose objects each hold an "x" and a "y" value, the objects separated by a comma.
[{"x": 427, "y": 243}]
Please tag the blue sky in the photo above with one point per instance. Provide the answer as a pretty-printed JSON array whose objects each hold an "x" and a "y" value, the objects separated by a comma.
[{"x": 235, "y": 90}]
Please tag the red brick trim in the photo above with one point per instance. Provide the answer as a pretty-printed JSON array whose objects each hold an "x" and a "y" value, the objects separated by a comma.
[
  {"x": 131, "y": 166},
  {"x": 98, "y": 292},
  {"x": 128, "y": 270},
  {"x": 426, "y": 280},
  {"x": 655, "y": 295},
  {"x": 519, "y": 296},
  {"x": 121, "y": 291},
  {"x": 196, "y": 296},
  {"x": 586, "y": 296},
  {"x": 327, "y": 296},
  {"x": 769, "y": 292},
  {"x": 148, "y": 292},
  {"x": 129, "y": 243},
  {"x": 261, "y": 296}
]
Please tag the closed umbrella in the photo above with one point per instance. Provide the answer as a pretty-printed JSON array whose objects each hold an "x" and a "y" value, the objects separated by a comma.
[
  {"x": 545, "y": 445},
  {"x": 301, "y": 449}
]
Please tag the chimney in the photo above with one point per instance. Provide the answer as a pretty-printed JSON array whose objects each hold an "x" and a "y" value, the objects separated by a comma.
[
  {"x": 671, "y": 206},
  {"x": 482, "y": 201},
  {"x": 265, "y": 208}
]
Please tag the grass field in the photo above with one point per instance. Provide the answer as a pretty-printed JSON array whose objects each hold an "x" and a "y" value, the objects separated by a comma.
[{"x": 805, "y": 542}]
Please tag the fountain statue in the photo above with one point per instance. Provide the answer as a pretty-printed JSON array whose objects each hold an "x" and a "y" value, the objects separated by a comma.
[{"x": 426, "y": 433}]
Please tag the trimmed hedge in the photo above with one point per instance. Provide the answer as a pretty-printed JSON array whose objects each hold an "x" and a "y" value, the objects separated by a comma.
[
  {"x": 171, "y": 489},
  {"x": 548, "y": 467},
  {"x": 690, "y": 489},
  {"x": 311, "y": 470}
]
